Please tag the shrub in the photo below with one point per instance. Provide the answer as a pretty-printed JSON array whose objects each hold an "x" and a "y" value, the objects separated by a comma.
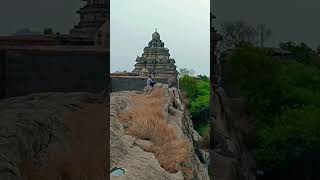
[
  {"x": 198, "y": 93},
  {"x": 284, "y": 101}
]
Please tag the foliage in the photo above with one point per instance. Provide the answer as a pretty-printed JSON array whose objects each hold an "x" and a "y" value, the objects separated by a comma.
[
  {"x": 301, "y": 52},
  {"x": 238, "y": 33},
  {"x": 204, "y": 129},
  {"x": 263, "y": 33},
  {"x": 198, "y": 93},
  {"x": 185, "y": 72},
  {"x": 294, "y": 133},
  {"x": 284, "y": 100}
]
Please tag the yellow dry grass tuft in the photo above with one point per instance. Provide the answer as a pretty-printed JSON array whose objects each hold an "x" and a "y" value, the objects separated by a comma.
[
  {"x": 171, "y": 154},
  {"x": 147, "y": 121}
]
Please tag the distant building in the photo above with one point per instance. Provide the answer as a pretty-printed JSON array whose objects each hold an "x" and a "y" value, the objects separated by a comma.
[{"x": 156, "y": 59}]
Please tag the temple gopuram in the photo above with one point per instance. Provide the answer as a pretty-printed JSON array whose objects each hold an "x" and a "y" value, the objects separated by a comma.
[
  {"x": 92, "y": 17},
  {"x": 156, "y": 59}
]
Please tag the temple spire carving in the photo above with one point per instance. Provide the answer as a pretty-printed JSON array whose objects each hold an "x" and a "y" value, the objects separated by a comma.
[
  {"x": 92, "y": 17},
  {"x": 156, "y": 59}
]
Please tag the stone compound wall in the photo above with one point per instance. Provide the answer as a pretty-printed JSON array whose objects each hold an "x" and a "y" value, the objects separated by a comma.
[
  {"x": 55, "y": 69},
  {"x": 132, "y": 83}
]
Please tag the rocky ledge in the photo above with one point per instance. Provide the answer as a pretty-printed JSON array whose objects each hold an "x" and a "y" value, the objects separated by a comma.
[{"x": 128, "y": 152}]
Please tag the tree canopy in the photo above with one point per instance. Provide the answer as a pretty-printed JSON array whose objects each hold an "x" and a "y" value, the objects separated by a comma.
[
  {"x": 237, "y": 33},
  {"x": 197, "y": 89},
  {"x": 283, "y": 100}
]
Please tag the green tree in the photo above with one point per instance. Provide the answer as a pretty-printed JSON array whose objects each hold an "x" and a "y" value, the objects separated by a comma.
[
  {"x": 301, "y": 52},
  {"x": 198, "y": 93},
  {"x": 283, "y": 100},
  {"x": 238, "y": 33},
  {"x": 185, "y": 72}
]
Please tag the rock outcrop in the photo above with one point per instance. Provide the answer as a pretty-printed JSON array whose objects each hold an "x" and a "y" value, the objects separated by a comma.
[
  {"x": 128, "y": 152},
  {"x": 52, "y": 136},
  {"x": 230, "y": 157}
]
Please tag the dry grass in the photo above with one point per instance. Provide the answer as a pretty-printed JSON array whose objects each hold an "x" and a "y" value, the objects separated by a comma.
[
  {"x": 172, "y": 154},
  {"x": 147, "y": 121}
]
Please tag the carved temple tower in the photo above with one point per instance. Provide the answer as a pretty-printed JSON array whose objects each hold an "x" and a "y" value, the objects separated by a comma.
[
  {"x": 92, "y": 17},
  {"x": 156, "y": 59}
]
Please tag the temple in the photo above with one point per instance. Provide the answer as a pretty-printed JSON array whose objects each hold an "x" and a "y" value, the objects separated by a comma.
[
  {"x": 156, "y": 60},
  {"x": 92, "y": 16}
]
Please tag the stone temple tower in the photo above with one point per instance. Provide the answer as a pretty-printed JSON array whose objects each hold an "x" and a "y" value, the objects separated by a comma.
[
  {"x": 156, "y": 59},
  {"x": 92, "y": 17}
]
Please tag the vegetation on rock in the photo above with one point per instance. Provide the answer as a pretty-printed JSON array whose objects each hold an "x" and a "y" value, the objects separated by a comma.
[
  {"x": 198, "y": 93},
  {"x": 283, "y": 98}
]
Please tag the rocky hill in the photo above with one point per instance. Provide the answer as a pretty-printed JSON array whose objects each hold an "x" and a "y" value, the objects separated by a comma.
[{"x": 152, "y": 137}]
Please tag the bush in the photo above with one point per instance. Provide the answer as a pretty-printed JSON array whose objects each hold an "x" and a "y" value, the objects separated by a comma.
[
  {"x": 284, "y": 101},
  {"x": 198, "y": 93}
]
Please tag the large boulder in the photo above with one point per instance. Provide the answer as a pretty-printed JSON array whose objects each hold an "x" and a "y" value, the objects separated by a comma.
[
  {"x": 47, "y": 136},
  {"x": 125, "y": 153}
]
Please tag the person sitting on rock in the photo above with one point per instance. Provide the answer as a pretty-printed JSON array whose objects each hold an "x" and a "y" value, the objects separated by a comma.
[{"x": 150, "y": 82}]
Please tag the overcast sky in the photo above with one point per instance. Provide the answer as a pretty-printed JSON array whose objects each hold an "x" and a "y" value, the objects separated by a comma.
[
  {"x": 38, "y": 14},
  {"x": 183, "y": 26},
  {"x": 290, "y": 20}
]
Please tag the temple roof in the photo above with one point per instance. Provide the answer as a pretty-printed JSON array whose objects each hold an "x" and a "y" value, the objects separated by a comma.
[{"x": 156, "y": 41}]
